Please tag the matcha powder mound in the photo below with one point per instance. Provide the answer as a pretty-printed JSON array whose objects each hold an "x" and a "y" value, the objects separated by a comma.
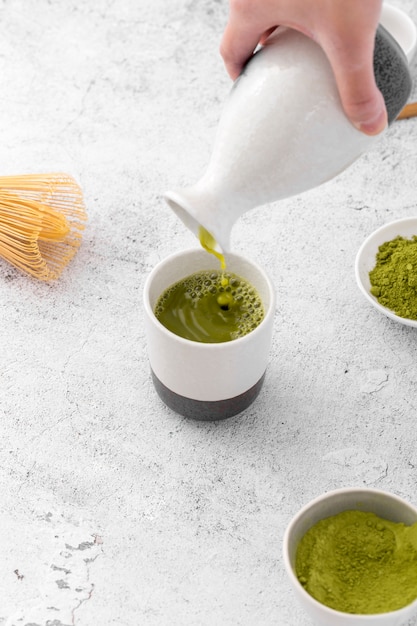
[
  {"x": 357, "y": 562},
  {"x": 394, "y": 277}
]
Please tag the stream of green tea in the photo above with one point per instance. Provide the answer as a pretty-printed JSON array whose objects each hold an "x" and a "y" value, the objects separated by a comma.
[{"x": 209, "y": 244}]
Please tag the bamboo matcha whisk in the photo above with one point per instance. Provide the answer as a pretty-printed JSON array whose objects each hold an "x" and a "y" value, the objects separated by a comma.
[{"x": 41, "y": 219}]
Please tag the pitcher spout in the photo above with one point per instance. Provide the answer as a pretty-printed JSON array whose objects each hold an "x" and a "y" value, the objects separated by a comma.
[{"x": 199, "y": 207}]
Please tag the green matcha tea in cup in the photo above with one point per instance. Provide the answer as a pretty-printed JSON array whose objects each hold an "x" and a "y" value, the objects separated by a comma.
[
  {"x": 208, "y": 332},
  {"x": 210, "y": 306}
]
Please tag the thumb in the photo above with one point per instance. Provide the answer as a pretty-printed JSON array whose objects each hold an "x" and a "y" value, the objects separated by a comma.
[{"x": 361, "y": 99}]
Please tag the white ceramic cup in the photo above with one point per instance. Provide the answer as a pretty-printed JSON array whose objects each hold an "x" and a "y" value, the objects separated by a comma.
[
  {"x": 385, "y": 505},
  {"x": 207, "y": 381}
]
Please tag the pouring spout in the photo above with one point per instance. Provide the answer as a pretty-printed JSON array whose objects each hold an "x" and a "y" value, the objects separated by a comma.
[{"x": 199, "y": 208}]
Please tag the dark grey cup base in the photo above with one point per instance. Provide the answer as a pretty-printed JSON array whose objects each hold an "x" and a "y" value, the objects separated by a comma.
[{"x": 207, "y": 410}]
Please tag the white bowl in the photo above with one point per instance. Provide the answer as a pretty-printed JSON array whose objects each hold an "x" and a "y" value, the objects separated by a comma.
[
  {"x": 366, "y": 260},
  {"x": 385, "y": 505},
  {"x": 401, "y": 27}
]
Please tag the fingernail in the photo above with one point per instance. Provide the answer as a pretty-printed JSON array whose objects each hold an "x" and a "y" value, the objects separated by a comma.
[{"x": 375, "y": 124}]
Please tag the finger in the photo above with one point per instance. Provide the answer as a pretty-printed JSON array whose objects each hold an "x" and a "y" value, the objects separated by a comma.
[
  {"x": 361, "y": 99},
  {"x": 237, "y": 46},
  {"x": 349, "y": 40}
]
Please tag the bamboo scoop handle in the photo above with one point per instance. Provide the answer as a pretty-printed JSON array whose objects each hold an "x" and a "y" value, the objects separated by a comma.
[{"x": 410, "y": 110}]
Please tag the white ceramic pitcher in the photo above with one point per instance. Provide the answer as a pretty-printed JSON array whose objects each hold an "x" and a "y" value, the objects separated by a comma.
[{"x": 283, "y": 131}]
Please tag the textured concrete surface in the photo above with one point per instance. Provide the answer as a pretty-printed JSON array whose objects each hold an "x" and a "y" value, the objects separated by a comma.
[{"x": 113, "y": 509}]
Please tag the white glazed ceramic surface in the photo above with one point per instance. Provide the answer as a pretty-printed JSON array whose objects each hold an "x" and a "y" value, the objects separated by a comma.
[
  {"x": 283, "y": 130},
  {"x": 366, "y": 259},
  {"x": 207, "y": 371},
  {"x": 384, "y": 504},
  {"x": 280, "y": 134},
  {"x": 401, "y": 27}
]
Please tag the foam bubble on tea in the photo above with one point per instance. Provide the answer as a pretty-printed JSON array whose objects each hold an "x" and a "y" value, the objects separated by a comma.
[{"x": 210, "y": 306}]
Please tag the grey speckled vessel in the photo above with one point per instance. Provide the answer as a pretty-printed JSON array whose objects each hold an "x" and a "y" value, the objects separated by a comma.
[
  {"x": 392, "y": 73},
  {"x": 283, "y": 131}
]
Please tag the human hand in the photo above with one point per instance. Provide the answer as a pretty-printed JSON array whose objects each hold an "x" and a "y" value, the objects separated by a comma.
[{"x": 344, "y": 30}]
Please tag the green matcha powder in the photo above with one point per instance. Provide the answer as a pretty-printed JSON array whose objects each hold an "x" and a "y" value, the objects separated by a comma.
[
  {"x": 394, "y": 277},
  {"x": 356, "y": 562}
]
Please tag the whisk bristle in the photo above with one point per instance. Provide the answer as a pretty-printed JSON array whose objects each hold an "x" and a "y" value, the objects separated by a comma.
[{"x": 41, "y": 219}]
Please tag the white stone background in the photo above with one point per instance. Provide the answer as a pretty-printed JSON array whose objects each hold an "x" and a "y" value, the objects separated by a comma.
[{"x": 113, "y": 509}]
